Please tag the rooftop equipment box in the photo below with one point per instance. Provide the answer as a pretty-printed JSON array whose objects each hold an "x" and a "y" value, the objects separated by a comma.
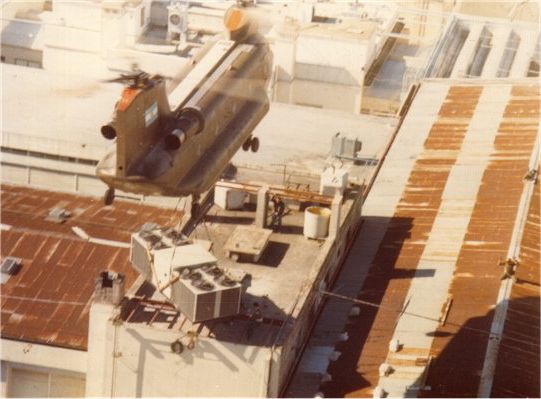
[
  {"x": 206, "y": 293},
  {"x": 333, "y": 180}
]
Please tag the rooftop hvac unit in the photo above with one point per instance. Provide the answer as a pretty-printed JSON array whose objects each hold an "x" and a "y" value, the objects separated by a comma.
[
  {"x": 345, "y": 147},
  {"x": 333, "y": 180},
  {"x": 205, "y": 293},
  {"x": 177, "y": 18},
  {"x": 144, "y": 243},
  {"x": 140, "y": 254}
]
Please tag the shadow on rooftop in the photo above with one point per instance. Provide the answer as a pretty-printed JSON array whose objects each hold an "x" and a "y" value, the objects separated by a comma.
[
  {"x": 226, "y": 219},
  {"x": 455, "y": 371},
  {"x": 381, "y": 272},
  {"x": 273, "y": 254},
  {"x": 458, "y": 349}
]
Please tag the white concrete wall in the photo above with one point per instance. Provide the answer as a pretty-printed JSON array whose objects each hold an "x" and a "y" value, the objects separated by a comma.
[
  {"x": 284, "y": 50},
  {"x": 46, "y": 356},
  {"x": 320, "y": 71},
  {"x": 319, "y": 94},
  {"x": 112, "y": 30},
  {"x": 21, "y": 380},
  {"x": 134, "y": 360},
  {"x": 131, "y": 20},
  {"x": 350, "y": 55},
  {"x": 68, "y": 37},
  {"x": 18, "y": 56},
  {"x": 79, "y": 14},
  {"x": 99, "y": 336}
]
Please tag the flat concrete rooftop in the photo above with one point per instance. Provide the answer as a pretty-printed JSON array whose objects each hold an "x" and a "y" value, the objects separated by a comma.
[{"x": 274, "y": 282}]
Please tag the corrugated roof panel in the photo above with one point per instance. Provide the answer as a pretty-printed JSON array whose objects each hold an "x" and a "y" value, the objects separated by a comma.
[
  {"x": 396, "y": 260},
  {"x": 48, "y": 300},
  {"x": 459, "y": 355},
  {"x": 493, "y": 185},
  {"x": 518, "y": 366}
]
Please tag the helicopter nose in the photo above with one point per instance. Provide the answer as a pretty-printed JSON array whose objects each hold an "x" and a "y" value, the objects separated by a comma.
[{"x": 108, "y": 131}]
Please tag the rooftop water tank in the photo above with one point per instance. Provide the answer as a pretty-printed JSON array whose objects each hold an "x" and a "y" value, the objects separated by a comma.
[{"x": 316, "y": 222}]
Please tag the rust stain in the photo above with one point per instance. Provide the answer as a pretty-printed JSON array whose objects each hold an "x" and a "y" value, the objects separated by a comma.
[
  {"x": 517, "y": 370},
  {"x": 356, "y": 372},
  {"x": 459, "y": 355},
  {"x": 48, "y": 300}
]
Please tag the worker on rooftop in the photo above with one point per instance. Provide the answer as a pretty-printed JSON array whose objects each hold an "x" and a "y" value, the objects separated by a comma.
[{"x": 278, "y": 211}]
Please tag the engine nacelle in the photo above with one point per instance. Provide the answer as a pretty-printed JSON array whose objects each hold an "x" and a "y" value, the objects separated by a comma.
[
  {"x": 108, "y": 131},
  {"x": 174, "y": 140}
]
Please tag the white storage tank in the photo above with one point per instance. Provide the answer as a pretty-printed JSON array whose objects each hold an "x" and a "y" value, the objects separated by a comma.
[{"x": 316, "y": 222}]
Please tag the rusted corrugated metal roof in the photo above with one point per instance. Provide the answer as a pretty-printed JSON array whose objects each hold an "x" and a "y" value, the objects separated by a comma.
[
  {"x": 396, "y": 260},
  {"x": 458, "y": 348},
  {"x": 517, "y": 370},
  {"x": 48, "y": 300},
  {"x": 27, "y": 207},
  {"x": 459, "y": 356}
]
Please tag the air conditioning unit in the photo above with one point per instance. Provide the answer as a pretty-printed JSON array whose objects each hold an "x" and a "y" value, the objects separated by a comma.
[
  {"x": 333, "y": 180},
  {"x": 147, "y": 241},
  {"x": 345, "y": 147},
  {"x": 177, "y": 18},
  {"x": 205, "y": 293},
  {"x": 140, "y": 256},
  {"x": 177, "y": 258}
]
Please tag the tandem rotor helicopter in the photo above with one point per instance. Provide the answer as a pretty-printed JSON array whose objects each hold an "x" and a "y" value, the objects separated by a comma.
[{"x": 184, "y": 150}]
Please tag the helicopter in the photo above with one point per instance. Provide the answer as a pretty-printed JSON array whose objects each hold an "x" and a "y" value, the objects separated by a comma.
[{"x": 178, "y": 144}]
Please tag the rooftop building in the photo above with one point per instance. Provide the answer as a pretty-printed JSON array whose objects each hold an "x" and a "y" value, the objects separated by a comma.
[
  {"x": 416, "y": 274},
  {"x": 486, "y": 48},
  {"x": 46, "y": 302},
  {"x": 291, "y": 262}
]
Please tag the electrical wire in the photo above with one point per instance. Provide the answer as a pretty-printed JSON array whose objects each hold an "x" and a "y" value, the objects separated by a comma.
[
  {"x": 178, "y": 224},
  {"x": 402, "y": 311},
  {"x": 503, "y": 337}
]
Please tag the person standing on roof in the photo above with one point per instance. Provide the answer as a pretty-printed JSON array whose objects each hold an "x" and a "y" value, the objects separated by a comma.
[{"x": 279, "y": 210}]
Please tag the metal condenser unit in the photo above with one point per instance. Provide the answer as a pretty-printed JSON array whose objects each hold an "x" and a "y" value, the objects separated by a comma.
[{"x": 206, "y": 293}]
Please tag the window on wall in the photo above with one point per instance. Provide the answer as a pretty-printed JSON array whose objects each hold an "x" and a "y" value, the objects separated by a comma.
[
  {"x": 23, "y": 382},
  {"x": 27, "y": 63},
  {"x": 142, "y": 16}
]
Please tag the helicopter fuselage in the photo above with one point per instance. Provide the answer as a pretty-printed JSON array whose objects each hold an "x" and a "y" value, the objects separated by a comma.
[{"x": 179, "y": 144}]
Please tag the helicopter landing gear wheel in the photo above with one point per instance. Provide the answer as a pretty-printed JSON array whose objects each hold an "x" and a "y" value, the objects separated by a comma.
[
  {"x": 254, "y": 144},
  {"x": 109, "y": 196},
  {"x": 247, "y": 144}
]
